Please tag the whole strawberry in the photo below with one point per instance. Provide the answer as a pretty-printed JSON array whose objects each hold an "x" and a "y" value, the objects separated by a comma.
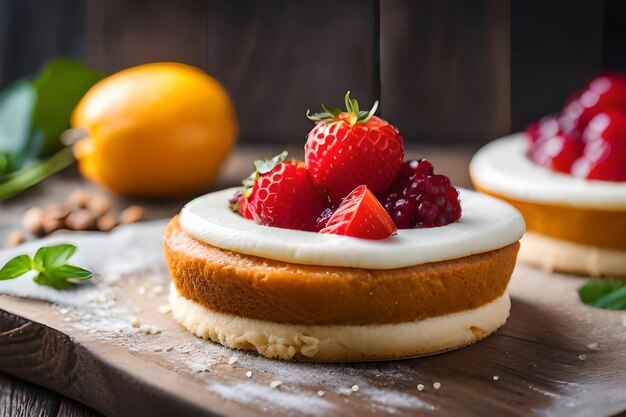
[
  {"x": 281, "y": 193},
  {"x": 351, "y": 148}
]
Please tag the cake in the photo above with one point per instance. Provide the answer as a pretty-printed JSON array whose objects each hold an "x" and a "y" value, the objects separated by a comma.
[
  {"x": 389, "y": 261},
  {"x": 567, "y": 176}
]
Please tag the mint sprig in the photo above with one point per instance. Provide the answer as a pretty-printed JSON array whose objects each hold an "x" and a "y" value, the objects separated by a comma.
[
  {"x": 50, "y": 266},
  {"x": 609, "y": 294}
]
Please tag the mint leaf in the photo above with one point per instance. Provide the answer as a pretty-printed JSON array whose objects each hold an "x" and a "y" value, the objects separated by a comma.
[
  {"x": 604, "y": 293},
  {"x": 50, "y": 266},
  {"x": 65, "y": 272},
  {"x": 16, "y": 267},
  {"x": 50, "y": 257}
]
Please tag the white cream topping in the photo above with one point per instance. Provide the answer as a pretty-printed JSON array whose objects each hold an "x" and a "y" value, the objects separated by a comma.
[
  {"x": 341, "y": 342},
  {"x": 503, "y": 168},
  {"x": 486, "y": 224}
]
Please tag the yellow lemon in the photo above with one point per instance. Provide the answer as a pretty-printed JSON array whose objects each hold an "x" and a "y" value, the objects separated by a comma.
[{"x": 155, "y": 130}]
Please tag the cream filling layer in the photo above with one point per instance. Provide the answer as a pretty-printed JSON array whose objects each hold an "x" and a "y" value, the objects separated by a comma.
[
  {"x": 341, "y": 342},
  {"x": 560, "y": 255},
  {"x": 503, "y": 168},
  {"x": 486, "y": 224}
]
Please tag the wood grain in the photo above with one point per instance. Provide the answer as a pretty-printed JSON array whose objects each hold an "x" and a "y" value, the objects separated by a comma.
[{"x": 536, "y": 357}]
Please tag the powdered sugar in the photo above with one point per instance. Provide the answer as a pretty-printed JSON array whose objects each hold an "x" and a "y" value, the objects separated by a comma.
[{"x": 112, "y": 308}]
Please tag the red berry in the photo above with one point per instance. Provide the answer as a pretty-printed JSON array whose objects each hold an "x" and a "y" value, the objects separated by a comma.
[
  {"x": 361, "y": 215},
  {"x": 546, "y": 126},
  {"x": 604, "y": 156},
  {"x": 602, "y": 93},
  {"x": 347, "y": 149},
  {"x": 243, "y": 209},
  {"x": 419, "y": 198},
  {"x": 286, "y": 197},
  {"x": 556, "y": 152}
]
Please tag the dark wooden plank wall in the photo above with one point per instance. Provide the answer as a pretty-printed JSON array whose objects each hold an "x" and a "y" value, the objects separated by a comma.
[{"x": 449, "y": 71}]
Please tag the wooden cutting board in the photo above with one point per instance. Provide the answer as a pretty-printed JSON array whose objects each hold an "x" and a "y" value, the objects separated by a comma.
[{"x": 554, "y": 357}]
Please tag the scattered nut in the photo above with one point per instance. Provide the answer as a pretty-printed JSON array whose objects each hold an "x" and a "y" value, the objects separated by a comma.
[
  {"x": 81, "y": 219},
  {"x": 50, "y": 224},
  {"x": 56, "y": 211},
  {"x": 32, "y": 221},
  {"x": 15, "y": 238},
  {"x": 132, "y": 214},
  {"x": 106, "y": 222},
  {"x": 99, "y": 205},
  {"x": 79, "y": 198}
]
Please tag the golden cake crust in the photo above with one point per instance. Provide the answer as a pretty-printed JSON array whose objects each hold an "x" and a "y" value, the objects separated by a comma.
[
  {"x": 280, "y": 292},
  {"x": 591, "y": 227}
]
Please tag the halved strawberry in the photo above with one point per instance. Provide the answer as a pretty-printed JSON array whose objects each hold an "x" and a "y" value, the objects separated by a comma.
[
  {"x": 361, "y": 215},
  {"x": 281, "y": 193},
  {"x": 347, "y": 149}
]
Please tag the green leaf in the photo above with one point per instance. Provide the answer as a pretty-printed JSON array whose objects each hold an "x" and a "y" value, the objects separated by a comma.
[
  {"x": 604, "y": 293},
  {"x": 263, "y": 167},
  {"x": 17, "y": 104},
  {"x": 65, "y": 272},
  {"x": 59, "y": 87},
  {"x": 30, "y": 175},
  {"x": 43, "y": 278},
  {"x": 16, "y": 267},
  {"x": 50, "y": 257}
]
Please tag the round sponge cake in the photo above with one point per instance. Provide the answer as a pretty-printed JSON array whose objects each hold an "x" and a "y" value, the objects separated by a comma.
[{"x": 309, "y": 312}]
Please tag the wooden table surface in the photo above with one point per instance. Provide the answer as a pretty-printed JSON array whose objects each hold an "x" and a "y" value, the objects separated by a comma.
[{"x": 20, "y": 398}]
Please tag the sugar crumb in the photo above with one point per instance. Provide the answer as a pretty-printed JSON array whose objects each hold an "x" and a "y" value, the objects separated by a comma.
[
  {"x": 276, "y": 384},
  {"x": 436, "y": 385},
  {"x": 420, "y": 387},
  {"x": 249, "y": 374}
]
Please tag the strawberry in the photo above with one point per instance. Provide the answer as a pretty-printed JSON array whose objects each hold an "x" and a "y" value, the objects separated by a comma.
[
  {"x": 603, "y": 93},
  {"x": 604, "y": 155},
  {"x": 347, "y": 149},
  {"x": 361, "y": 215},
  {"x": 281, "y": 193},
  {"x": 557, "y": 152}
]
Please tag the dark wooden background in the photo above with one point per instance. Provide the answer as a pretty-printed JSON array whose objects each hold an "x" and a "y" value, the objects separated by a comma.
[{"x": 448, "y": 71}]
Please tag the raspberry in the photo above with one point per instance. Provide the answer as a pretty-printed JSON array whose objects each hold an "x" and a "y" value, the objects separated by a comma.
[{"x": 420, "y": 199}]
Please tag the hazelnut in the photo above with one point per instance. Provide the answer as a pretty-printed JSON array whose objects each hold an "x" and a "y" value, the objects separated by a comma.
[
  {"x": 132, "y": 214},
  {"x": 15, "y": 238},
  {"x": 50, "y": 224},
  {"x": 79, "y": 198},
  {"x": 56, "y": 211},
  {"x": 98, "y": 205},
  {"x": 81, "y": 219},
  {"x": 33, "y": 221},
  {"x": 106, "y": 222}
]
